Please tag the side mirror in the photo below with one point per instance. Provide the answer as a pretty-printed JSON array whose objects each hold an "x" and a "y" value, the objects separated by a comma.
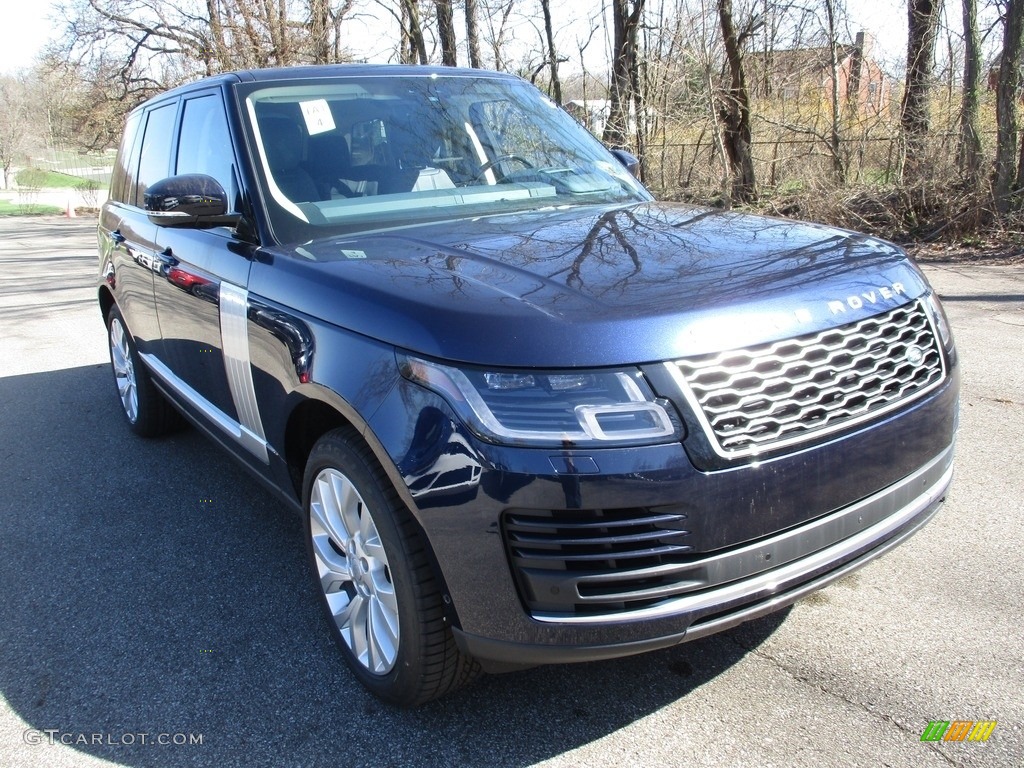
[
  {"x": 189, "y": 200},
  {"x": 628, "y": 159}
]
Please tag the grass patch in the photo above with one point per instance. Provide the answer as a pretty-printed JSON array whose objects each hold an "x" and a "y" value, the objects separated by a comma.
[
  {"x": 7, "y": 208},
  {"x": 37, "y": 178},
  {"x": 75, "y": 159}
]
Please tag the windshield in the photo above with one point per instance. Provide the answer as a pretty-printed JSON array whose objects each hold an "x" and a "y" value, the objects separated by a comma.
[{"x": 348, "y": 154}]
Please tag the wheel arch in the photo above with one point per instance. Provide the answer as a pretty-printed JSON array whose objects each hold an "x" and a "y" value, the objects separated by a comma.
[
  {"x": 319, "y": 411},
  {"x": 317, "y": 415},
  {"x": 106, "y": 299}
]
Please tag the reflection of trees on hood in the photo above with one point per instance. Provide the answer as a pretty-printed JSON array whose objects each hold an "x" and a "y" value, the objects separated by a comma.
[
  {"x": 692, "y": 249},
  {"x": 596, "y": 238},
  {"x": 623, "y": 253}
]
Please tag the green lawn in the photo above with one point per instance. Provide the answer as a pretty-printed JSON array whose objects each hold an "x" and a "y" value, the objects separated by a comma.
[
  {"x": 7, "y": 208},
  {"x": 37, "y": 178}
]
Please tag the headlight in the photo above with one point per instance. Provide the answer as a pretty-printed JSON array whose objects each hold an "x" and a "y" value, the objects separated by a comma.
[
  {"x": 550, "y": 408},
  {"x": 939, "y": 320}
]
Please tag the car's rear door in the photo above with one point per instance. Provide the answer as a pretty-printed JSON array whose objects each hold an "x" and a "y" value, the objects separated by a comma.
[{"x": 127, "y": 236}]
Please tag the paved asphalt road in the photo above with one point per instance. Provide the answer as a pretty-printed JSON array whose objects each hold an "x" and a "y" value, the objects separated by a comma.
[{"x": 153, "y": 588}]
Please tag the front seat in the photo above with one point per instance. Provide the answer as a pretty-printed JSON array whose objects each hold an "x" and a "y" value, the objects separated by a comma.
[
  {"x": 283, "y": 142},
  {"x": 330, "y": 164}
]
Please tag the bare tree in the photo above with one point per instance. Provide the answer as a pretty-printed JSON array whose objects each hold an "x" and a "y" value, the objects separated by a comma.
[
  {"x": 473, "y": 34},
  {"x": 446, "y": 32},
  {"x": 734, "y": 110},
  {"x": 834, "y": 138},
  {"x": 556, "y": 84},
  {"x": 319, "y": 26},
  {"x": 16, "y": 123},
  {"x": 203, "y": 37},
  {"x": 412, "y": 30},
  {"x": 1007, "y": 93},
  {"x": 969, "y": 155},
  {"x": 324, "y": 28},
  {"x": 626, "y": 16},
  {"x": 496, "y": 30},
  {"x": 915, "y": 118}
]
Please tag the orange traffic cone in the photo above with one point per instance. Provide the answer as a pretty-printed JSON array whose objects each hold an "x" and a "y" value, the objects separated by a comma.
[{"x": 70, "y": 212}]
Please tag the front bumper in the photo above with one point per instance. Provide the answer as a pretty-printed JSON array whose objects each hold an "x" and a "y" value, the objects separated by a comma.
[{"x": 760, "y": 535}]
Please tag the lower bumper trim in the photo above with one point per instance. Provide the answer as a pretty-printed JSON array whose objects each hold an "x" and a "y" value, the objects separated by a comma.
[
  {"x": 884, "y": 513},
  {"x": 763, "y": 598}
]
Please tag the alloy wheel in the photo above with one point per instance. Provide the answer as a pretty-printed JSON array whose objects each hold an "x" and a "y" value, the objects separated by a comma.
[
  {"x": 124, "y": 370},
  {"x": 354, "y": 572}
]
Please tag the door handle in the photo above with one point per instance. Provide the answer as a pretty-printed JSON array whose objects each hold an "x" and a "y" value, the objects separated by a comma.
[
  {"x": 117, "y": 237},
  {"x": 166, "y": 258}
]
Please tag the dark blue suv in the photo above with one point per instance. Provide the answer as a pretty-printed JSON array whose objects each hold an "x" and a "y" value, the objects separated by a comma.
[{"x": 528, "y": 414}]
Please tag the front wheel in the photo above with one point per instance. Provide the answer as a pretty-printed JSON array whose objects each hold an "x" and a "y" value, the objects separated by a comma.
[{"x": 370, "y": 565}]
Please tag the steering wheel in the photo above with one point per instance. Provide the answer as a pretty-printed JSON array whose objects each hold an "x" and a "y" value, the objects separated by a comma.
[{"x": 500, "y": 159}]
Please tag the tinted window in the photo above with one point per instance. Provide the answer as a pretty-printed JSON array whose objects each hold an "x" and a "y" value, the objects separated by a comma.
[
  {"x": 204, "y": 145},
  {"x": 123, "y": 178},
  {"x": 156, "y": 148}
]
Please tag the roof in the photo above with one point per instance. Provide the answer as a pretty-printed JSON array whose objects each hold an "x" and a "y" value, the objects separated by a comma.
[{"x": 319, "y": 71}]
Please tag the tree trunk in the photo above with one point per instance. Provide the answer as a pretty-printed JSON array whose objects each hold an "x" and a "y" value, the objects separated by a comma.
[
  {"x": 446, "y": 32},
  {"x": 969, "y": 155},
  {"x": 217, "y": 58},
  {"x": 923, "y": 20},
  {"x": 556, "y": 85},
  {"x": 1007, "y": 93},
  {"x": 734, "y": 112},
  {"x": 280, "y": 33},
  {"x": 626, "y": 23},
  {"x": 473, "y": 35},
  {"x": 417, "y": 45},
  {"x": 834, "y": 138},
  {"x": 319, "y": 31}
]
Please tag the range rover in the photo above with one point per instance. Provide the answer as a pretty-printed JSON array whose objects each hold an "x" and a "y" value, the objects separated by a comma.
[{"x": 527, "y": 413}]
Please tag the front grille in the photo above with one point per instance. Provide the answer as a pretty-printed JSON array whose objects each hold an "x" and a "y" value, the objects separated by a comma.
[
  {"x": 597, "y": 560},
  {"x": 796, "y": 390}
]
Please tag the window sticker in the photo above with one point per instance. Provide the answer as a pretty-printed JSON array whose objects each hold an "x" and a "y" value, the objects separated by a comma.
[
  {"x": 349, "y": 254},
  {"x": 317, "y": 115}
]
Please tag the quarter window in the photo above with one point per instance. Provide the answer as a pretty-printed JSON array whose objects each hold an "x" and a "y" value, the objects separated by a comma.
[{"x": 122, "y": 185}]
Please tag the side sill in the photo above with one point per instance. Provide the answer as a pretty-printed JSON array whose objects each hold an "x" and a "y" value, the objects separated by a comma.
[{"x": 246, "y": 438}]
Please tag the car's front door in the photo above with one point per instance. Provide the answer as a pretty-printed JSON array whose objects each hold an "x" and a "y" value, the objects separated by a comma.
[{"x": 200, "y": 292}]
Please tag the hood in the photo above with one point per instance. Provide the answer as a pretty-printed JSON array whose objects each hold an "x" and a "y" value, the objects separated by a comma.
[{"x": 590, "y": 287}]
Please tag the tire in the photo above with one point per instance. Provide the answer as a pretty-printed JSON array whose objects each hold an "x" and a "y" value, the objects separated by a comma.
[
  {"x": 147, "y": 411},
  {"x": 370, "y": 566}
]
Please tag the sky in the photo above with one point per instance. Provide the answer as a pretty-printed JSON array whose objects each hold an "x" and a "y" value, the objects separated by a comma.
[
  {"x": 24, "y": 30},
  {"x": 27, "y": 25}
]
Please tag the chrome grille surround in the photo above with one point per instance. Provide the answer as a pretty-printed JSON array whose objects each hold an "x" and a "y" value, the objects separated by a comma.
[{"x": 784, "y": 393}]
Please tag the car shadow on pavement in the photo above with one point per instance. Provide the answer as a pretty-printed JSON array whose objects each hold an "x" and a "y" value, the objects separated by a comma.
[{"x": 152, "y": 587}]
